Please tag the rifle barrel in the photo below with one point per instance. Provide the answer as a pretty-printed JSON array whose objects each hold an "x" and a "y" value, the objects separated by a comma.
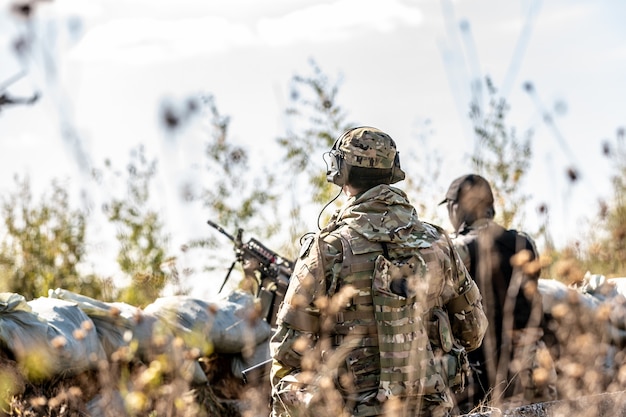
[{"x": 220, "y": 229}]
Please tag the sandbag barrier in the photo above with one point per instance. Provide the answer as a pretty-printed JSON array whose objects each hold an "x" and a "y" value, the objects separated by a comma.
[
  {"x": 587, "y": 335},
  {"x": 118, "y": 326},
  {"x": 68, "y": 353}
]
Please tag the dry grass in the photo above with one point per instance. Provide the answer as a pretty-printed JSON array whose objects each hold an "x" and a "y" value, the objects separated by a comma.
[
  {"x": 118, "y": 389},
  {"x": 588, "y": 358}
]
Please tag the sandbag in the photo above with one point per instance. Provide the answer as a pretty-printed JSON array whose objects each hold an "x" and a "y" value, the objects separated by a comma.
[
  {"x": 620, "y": 284},
  {"x": 598, "y": 286},
  {"x": 227, "y": 325},
  {"x": 554, "y": 292},
  {"x": 48, "y": 337},
  {"x": 120, "y": 325},
  {"x": 117, "y": 324},
  {"x": 599, "y": 298}
]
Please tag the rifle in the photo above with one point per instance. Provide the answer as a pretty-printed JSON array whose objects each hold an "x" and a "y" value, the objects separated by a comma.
[
  {"x": 274, "y": 270},
  {"x": 257, "y": 373}
]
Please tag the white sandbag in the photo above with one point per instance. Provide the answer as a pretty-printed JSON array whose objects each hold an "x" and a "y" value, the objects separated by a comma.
[
  {"x": 554, "y": 292},
  {"x": 48, "y": 337},
  {"x": 594, "y": 294},
  {"x": 230, "y": 325},
  {"x": 617, "y": 315},
  {"x": 120, "y": 325},
  {"x": 114, "y": 324},
  {"x": 83, "y": 349},
  {"x": 117, "y": 323},
  {"x": 620, "y": 284},
  {"x": 598, "y": 286}
]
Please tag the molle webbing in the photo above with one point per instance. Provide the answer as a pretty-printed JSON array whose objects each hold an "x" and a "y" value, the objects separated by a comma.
[
  {"x": 357, "y": 317},
  {"x": 360, "y": 267},
  {"x": 398, "y": 306},
  {"x": 355, "y": 324},
  {"x": 301, "y": 320},
  {"x": 355, "y": 329},
  {"x": 406, "y": 356},
  {"x": 394, "y": 314},
  {"x": 368, "y": 341},
  {"x": 352, "y": 315},
  {"x": 362, "y": 299}
]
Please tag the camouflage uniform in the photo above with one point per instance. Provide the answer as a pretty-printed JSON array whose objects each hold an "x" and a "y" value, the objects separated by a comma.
[
  {"x": 513, "y": 366},
  {"x": 334, "y": 351}
]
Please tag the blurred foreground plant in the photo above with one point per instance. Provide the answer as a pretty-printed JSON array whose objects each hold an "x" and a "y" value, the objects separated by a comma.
[{"x": 43, "y": 243}]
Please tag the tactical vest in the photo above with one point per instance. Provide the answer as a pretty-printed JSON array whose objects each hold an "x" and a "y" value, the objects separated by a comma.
[
  {"x": 408, "y": 363},
  {"x": 399, "y": 345},
  {"x": 355, "y": 325}
]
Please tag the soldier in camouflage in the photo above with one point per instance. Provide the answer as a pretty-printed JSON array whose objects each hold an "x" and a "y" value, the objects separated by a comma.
[
  {"x": 513, "y": 366},
  {"x": 380, "y": 311}
]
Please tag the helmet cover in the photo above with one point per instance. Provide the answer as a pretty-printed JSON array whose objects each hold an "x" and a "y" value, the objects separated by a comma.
[{"x": 369, "y": 147}]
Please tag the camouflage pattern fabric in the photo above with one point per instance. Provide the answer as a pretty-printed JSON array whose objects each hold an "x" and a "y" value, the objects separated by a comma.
[
  {"x": 327, "y": 336},
  {"x": 408, "y": 365},
  {"x": 367, "y": 147}
]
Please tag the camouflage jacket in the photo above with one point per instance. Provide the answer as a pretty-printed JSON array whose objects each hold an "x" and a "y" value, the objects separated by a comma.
[{"x": 318, "y": 303}]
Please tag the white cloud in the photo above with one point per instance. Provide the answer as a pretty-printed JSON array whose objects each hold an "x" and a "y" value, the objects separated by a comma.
[
  {"x": 336, "y": 21},
  {"x": 65, "y": 8},
  {"x": 141, "y": 40}
]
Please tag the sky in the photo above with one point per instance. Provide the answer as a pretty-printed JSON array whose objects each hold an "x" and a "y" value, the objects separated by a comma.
[{"x": 104, "y": 67}]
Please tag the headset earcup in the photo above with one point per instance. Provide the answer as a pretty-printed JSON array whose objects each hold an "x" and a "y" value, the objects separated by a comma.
[
  {"x": 344, "y": 169},
  {"x": 340, "y": 175},
  {"x": 397, "y": 174},
  {"x": 334, "y": 163}
]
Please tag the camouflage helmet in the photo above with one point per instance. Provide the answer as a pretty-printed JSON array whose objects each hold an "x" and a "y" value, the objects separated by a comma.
[{"x": 366, "y": 147}]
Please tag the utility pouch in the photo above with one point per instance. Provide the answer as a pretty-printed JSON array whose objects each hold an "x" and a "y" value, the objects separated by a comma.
[
  {"x": 362, "y": 367},
  {"x": 440, "y": 330},
  {"x": 456, "y": 366},
  {"x": 468, "y": 319}
]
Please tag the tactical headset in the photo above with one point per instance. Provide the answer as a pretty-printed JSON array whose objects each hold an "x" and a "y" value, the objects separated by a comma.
[{"x": 338, "y": 170}]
